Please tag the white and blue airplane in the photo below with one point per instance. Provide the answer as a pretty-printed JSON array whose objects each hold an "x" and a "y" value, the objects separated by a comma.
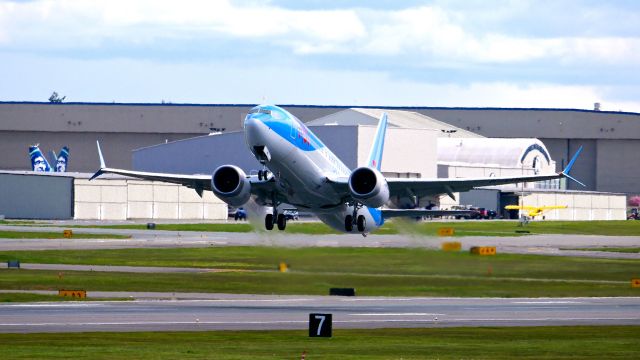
[{"x": 301, "y": 171}]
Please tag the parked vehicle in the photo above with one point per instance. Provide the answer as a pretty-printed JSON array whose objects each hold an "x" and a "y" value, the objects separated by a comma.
[
  {"x": 237, "y": 214},
  {"x": 486, "y": 214},
  {"x": 634, "y": 214},
  {"x": 476, "y": 213},
  {"x": 290, "y": 214}
]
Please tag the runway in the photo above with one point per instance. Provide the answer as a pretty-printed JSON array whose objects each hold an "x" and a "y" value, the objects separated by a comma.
[
  {"x": 532, "y": 244},
  {"x": 260, "y": 312}
]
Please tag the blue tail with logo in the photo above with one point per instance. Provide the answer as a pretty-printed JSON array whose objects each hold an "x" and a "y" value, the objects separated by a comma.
[
  {"x": 375, "y": 155},
  {"x": 62, "y": 160},
  {"x": 38, "y": 160}
]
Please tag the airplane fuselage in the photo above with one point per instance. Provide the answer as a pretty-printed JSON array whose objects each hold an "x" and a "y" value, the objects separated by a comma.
[{"x": 302, "y": 166}]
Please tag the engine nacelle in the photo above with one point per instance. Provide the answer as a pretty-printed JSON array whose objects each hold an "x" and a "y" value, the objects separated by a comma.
[
  {"x": 231, "y": 185},
  {"x": 369, "y": 186}
]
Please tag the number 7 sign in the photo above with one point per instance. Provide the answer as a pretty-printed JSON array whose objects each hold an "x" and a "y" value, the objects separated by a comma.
[{"x": 319, "y": 325}]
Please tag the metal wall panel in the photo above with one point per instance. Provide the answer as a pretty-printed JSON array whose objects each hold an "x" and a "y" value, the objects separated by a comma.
[{"x": 36, "y": 196}]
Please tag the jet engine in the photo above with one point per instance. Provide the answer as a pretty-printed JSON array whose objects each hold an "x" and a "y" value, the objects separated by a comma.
[
  {"x": 368, "y": 186},
  {"x": 231, "y": 185}
]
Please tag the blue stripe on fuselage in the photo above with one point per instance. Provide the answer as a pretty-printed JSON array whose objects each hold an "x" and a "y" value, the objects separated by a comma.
[
  {"x": 289, "y": 128},
  {"x": 376, "y": 214}
]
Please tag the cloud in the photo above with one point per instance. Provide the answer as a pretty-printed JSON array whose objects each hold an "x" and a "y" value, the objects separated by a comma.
[
  {"x": 432, "y": 33},
  {"x": 75, "y": 23},
  {"x": 447, "y": 53}
]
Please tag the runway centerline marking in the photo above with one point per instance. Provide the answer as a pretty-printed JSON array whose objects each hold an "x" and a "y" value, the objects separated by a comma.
[
  {"x": 397, "y": 314},
  {"x": 548, "y": 302}
]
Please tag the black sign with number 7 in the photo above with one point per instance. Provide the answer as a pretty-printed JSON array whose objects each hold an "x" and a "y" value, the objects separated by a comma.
[{"x": 319, "y": 325}]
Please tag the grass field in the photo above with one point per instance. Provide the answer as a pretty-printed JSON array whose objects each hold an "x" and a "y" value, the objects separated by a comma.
[
  {"x": 610, "y": 342},
  {"x": 12, "y": 297},
  {"x": 55, "y": 235},
  {"x": 372, "y": 271},
  {"x": 429, "y": 228}
]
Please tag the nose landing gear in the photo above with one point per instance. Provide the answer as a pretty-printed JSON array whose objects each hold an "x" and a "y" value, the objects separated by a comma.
[{"x": 263, "y": 175}]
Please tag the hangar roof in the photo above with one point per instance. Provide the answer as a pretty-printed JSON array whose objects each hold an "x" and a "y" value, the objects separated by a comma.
[
  {"x": 397, "y": 118},
  {"x": 489, "y": 151}
]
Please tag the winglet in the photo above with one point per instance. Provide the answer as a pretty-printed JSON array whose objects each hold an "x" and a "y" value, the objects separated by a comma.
[
  {"x": 567, "y": 169},
  {"x": 375, "y": 155},
  {"x": 573, "y": 160},
  {"x": 102, "y": 165}
]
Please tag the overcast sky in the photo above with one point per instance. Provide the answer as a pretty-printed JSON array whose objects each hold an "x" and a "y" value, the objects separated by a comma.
[{"x": 564, "y": 54}]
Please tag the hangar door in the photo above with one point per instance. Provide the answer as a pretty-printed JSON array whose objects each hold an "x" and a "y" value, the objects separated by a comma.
[{"x": 36, "y": 196}]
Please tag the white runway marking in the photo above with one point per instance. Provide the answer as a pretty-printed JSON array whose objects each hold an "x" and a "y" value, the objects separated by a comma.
[
  {"x": 159, "y": 323},
  {"x": 398, "y": 314},
  {"x": 548, "y": 302}
]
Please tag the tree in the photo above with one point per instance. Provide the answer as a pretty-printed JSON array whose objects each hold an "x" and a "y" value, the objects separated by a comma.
[{"x": 55, "y": 98}]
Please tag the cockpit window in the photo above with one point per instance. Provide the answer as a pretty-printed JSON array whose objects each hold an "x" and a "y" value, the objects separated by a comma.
[{"x": 259, "y": 110}]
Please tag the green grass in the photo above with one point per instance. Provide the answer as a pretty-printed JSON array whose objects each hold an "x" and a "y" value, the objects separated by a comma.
[
  {"x": 26, "y": 297},
  {"x": 509, "y": 228},
  {"x": 578, "y": 342},
  {"x": 429, "y": 228},
  {"x": 372, "y": 271},
  {"x": 18, "y": 222},
  {"x": 55, "y": 235},
  {"x": 241, "y": 227}
]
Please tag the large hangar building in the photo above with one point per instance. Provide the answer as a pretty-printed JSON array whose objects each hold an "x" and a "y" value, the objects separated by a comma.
[{"x": 421, "y": 142}]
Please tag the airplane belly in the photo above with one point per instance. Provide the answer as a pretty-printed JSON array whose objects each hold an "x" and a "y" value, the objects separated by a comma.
[
  {"x": 301, "y": 180},
  {"x": 300, "y": 173}
]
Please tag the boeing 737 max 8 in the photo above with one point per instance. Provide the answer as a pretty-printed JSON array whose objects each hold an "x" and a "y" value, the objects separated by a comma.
[{"x": 303, "y": 172}]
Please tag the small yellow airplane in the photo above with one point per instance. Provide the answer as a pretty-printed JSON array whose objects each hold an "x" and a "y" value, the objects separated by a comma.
[{"x": 534, "y": 210}]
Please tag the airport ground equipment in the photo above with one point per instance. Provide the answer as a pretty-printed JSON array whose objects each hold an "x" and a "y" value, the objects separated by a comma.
[
  {"x": 13, "y": 264},
  {"x": 67, "y": 233}
]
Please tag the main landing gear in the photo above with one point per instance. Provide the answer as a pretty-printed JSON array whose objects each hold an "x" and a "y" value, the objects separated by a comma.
[
  {"x": 280, "y": 220},
  {"x": 358, "y": 220},
  {"x": 274, "y": 218},
  {"x": 263, "y": 174}
]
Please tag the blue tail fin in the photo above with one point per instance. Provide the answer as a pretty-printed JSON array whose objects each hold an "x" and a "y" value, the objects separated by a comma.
[
  {"x": 375, "y": 155},
  {"x": 62, "y": 161},
  {"x": 38, "y": 160}
]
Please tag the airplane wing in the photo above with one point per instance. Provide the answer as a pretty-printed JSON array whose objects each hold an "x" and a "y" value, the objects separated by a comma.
[
  {"x": 516, "y": 207},
  {"x": 425, "y": 187},
  {"x": 198, "y": 182}
]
